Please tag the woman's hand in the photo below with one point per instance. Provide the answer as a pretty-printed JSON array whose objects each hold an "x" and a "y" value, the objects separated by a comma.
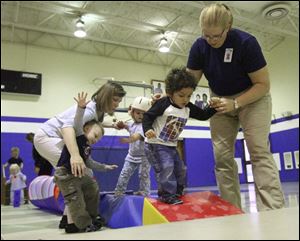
[
  {"x": 81, "y": 101},
  {"x": 150, "y": 134},
  {"x": 77, "y": 166}
]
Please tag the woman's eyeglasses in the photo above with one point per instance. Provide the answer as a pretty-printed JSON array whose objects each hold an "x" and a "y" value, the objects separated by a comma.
[{"x": 215, "y": 37}]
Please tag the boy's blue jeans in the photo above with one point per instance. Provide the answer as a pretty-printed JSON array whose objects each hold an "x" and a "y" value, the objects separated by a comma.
[{"x": 170, "y": 171}]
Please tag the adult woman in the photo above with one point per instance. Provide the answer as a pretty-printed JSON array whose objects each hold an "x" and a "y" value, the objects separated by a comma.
[
  {"x": 233, "y": 63},
  {"x": 60, "y": 130}
]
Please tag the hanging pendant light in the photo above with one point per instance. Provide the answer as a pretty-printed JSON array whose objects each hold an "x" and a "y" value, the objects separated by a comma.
[
  {"x": 163, "y": 46},
  {"x": 80, "y": 31}
]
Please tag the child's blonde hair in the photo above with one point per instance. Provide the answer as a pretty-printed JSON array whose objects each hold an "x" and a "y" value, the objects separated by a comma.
[
  {"x": 216, "y": 15},
  {"x": 14, "y": 168}
]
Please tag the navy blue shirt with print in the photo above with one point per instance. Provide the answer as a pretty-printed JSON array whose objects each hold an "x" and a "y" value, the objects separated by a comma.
[
  {"x": 84, "y": 151},
  {"x": 228, "y": 77},
  {"x": 168, "y": 120}
]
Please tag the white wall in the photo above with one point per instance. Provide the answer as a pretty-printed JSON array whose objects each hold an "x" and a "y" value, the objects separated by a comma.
[
  {"x": 283, "y": 64},
  {"x": 65, "y": 73}
]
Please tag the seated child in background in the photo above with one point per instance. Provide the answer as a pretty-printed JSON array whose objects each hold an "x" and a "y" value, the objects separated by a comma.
[
  {"x": 162, "y": 124},
  {"x": 18, "y": 182},
  {"x": 136, "y": 157}
]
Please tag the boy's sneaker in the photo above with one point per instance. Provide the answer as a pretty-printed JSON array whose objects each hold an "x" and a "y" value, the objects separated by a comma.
[
  {"x": 179, "y": 194},
  {"x": 179, "y": 191},
  {"x": 63, "y": 222},
  {"x": 173, "y": 200},
  {"x": 71, "y": 228},
  {"x": 99, "y": 221},
  {"x": 92, "y": 228}
]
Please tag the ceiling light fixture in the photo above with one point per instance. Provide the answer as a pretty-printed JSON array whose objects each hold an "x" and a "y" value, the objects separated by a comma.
[
  {"x": 276, "y": 11},
  {"x": 163, "y": 46},
  {"x": 80, "y": 32}
]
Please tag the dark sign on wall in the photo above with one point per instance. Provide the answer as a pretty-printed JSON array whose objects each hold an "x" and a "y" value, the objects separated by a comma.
[{"x": 18, "y": 82}]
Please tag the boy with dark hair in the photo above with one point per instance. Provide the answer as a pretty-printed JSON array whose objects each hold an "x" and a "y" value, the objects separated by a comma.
[{"x": 162, "y": 126}]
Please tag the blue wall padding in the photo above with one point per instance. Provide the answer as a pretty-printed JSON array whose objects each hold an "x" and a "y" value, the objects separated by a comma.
[
  {"x": 239, "y": 153},
  {"x": 108, "y": 180},
  {"x": 121, "y": 212},
  {"x": 287, "y": 141},
  {"x": 198, "y": 153},
  {"x": 200, "y": 162},
  {"x": 114, "y": 153}
]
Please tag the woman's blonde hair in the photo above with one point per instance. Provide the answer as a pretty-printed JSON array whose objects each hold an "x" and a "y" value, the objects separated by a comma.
[
  {"x": 104, "y": 96},
  {"x": 216, "y": 15}
]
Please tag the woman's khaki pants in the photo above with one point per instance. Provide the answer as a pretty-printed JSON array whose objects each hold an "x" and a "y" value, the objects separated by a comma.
[{"x": 255, "y": 120}]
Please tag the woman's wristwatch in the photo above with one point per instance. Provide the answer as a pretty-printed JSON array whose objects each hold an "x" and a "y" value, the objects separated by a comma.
[{"x": 236, "y": 105}]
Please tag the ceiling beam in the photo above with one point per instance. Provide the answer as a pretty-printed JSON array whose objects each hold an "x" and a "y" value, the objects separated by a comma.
[
  {"x": 113, "y": 18},
  {"x": 68, "y": 34}
]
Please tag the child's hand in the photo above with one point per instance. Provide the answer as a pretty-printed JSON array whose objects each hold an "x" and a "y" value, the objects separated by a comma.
[
  {"x": 111, "y": 167},
  {"x": 214, "y": 102},
  {"x": 120, "y": 125},
  {"x": 81, "y": 101},
  {"x": 124, "y": 140},
  {"x": 150, "y": 134},
  {"x": 156, "y": 97}
]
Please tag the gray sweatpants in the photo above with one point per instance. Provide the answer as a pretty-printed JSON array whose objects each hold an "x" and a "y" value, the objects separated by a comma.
[{"x": 127, "y": 172}]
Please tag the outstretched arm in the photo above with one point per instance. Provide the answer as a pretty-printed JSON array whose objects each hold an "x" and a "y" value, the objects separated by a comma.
[
  {"x": 81, "y": 105},
  {"x": 199, "y": 114},
  {"x": 133, "y": 138},
  {"x": 97, "y": 166}
]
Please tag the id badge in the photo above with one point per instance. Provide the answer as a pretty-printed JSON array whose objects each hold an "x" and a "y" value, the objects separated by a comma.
[{"x": 228, "y": 55}]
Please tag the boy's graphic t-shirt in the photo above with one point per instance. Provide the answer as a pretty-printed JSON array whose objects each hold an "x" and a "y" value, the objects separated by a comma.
[
  {"x": 168, "y": 120},
  {"x": 172, "y": 128}
]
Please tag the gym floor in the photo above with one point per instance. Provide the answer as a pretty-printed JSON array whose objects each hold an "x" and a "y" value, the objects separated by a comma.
[{"x": 30, "y": 223}]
